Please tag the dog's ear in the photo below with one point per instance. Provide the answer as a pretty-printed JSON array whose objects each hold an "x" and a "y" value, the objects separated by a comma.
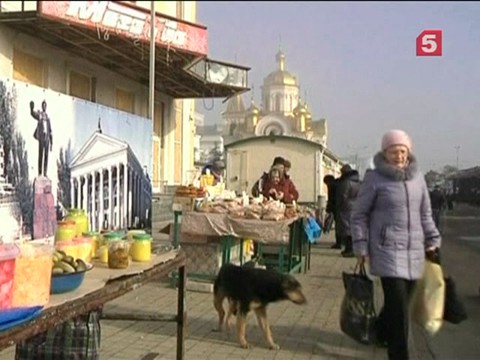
[{"x": 290, "y": 283}]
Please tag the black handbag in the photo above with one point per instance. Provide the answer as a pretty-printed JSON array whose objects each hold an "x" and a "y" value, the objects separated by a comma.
[
  {"x": 328, "y": 223},
  {"x": 357, "y": 313},
  {"x": 454, "y": 309}
]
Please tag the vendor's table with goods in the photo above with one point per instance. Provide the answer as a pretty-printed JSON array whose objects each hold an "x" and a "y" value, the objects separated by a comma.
[
  {"x": 221, "y": 230},
  {"x": 100, "y": 285}
]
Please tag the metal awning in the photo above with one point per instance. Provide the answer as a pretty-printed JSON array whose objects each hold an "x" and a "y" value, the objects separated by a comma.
[
  {"x": 115, "y": 35},
  {"x": 470, "y": 173}
]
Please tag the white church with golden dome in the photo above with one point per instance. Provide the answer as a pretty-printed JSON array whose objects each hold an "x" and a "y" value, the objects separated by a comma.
[{"x": 282, "y": 111}]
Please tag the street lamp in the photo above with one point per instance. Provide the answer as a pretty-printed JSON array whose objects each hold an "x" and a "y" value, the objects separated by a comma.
[{"x": 457, "y": 148}]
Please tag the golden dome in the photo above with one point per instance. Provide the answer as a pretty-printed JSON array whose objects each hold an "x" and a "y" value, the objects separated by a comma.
[{"x": 280, "y": 76}]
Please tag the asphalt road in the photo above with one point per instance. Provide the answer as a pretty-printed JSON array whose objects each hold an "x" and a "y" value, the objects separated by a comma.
[{"x": 461, "y": 260}]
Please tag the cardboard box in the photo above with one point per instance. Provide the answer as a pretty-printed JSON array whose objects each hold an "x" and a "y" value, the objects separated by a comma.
[
  {"x": 188, "y": 238},
  {"x": 183, "y": 203},
  {"x": 204, "y": 253}
]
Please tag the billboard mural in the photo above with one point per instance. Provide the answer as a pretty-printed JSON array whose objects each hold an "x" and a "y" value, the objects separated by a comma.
[{"x": 60, "y": 152}]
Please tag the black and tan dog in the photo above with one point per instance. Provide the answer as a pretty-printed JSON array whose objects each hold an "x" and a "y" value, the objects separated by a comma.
[{"x": 249, "y": 289}]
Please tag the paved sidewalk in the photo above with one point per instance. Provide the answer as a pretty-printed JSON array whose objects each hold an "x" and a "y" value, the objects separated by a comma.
[{"x": 303, "y": 332}]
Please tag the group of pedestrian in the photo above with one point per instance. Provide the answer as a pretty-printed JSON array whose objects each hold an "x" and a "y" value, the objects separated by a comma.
[{"x": 389, "y": 221}]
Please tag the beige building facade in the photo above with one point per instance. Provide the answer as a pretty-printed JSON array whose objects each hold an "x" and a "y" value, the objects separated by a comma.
[{"x": 76, "y": 48}]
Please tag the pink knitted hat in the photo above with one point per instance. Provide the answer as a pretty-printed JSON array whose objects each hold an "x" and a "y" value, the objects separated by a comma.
[{"x": 396, "y": 137}]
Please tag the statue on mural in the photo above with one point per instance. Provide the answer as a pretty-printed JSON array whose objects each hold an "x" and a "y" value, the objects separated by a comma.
[{"x": 43, "y": 134}]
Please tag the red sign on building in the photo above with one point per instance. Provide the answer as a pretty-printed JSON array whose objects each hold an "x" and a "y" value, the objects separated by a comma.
[{"x": 117, "y": 18}]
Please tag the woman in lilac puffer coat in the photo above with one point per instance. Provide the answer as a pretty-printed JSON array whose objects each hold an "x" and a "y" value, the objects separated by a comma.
[{"x": 392, "y": 226}]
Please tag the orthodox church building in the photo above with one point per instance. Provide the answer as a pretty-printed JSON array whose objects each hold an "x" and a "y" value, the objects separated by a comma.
[{"x": 282, "y": 111}]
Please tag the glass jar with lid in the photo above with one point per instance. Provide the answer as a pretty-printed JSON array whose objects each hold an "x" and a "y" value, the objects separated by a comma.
[
  {"x": 141, "y": 249},
  {"x": 95, "y": 240},
  {"x": 118, "y": 251}
]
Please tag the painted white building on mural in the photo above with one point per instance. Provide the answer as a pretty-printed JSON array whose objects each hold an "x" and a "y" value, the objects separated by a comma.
[{"x": 110, "y": 184}]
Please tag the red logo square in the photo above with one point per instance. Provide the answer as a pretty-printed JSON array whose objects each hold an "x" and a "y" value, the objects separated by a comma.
[{"x": 429, "y": 43}]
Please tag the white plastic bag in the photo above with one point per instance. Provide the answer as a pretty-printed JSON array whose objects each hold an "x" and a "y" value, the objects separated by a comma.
[{"x": 429, "y": 299}]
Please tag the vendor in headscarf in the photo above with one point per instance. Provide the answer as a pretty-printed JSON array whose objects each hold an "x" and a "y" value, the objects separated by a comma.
[
  {"x": 257, "y": 188},
  {"x": 278, "y": 187}
]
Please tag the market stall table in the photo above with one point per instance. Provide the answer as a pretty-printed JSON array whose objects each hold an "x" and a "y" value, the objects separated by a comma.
[
  {"x": 265, "y": 232},
  {"x": 102, "y": 285}
]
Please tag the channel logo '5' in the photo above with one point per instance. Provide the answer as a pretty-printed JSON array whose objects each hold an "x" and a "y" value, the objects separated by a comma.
[{"x": 429, "y": 43}]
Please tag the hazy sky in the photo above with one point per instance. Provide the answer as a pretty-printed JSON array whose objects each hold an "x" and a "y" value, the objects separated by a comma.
[{"x": 358, "y": 64}]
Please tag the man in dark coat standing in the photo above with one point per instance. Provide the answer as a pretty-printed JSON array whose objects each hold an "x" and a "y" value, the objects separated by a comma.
[
  {"x": 43, "y": 134},
  {"x": 346, "y": 192},
  {"x": 330, "y": 181},
  {"x": 438, "y": 202}
]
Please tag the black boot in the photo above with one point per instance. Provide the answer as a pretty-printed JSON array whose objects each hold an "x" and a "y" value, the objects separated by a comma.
[
  {"x": 338, "y": 242},
  {"x": 380, "y": 331},
  {"x": 348, "y": 252}
]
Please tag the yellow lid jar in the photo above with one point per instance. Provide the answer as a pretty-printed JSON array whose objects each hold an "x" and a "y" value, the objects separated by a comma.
[
  {"x": 95, "y": 239},
  {"x": 141, "y": 249}
]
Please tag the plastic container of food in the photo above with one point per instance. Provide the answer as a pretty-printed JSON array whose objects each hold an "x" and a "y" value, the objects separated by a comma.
[
  {"x": 68, "y": 247},
  {"x": 80, "y": 218},
  {"x": 33, "y": 274},
  {"x": 8, "y": 254},
  {"x": 118, "y": 254},
  {"x": 102, "y": 254},
  {"x": 206, "y": 180},
  {"x": 84, "y": 248},
  {"x": 141, "y": 249},
  {"x": 66, "y": 231},
  {"x": 95, "y": 239}
]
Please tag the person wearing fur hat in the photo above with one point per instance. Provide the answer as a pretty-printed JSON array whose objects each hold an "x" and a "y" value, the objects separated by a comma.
[{"x": 392, "y": 227}]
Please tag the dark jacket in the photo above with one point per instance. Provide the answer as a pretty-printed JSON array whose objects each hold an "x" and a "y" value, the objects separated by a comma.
[
  {"x": 346, "y": 190},
  {"x": 257, "y": 188},
  {"x": 438, "y": 199},
  {"x": 43, "y": 131},
  {"x": 331, "y": 196}
]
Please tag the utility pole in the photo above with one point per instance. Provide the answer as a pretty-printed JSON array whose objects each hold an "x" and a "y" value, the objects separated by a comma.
[
  {"x": 457, "y": 148},
  {"x": 355, "y": 153},
  {"x": 151, "y": 82}
]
